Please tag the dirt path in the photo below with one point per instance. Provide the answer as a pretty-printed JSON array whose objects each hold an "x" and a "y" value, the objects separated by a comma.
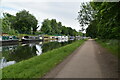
[{"x": 88, "y": 61}]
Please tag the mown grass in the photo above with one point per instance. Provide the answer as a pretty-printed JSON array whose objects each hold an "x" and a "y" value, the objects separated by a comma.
[
  {"x": 111, "y": 45},
  {"x": 38, "y": 66}
]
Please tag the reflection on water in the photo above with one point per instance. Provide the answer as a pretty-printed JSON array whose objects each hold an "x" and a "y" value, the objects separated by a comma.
[
  {"x": 4, "y": 63},
  {"x": 39, "y": 50},
  {"x": 19, "y": 52}
]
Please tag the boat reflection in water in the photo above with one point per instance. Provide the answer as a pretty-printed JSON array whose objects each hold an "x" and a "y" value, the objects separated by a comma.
[
  {"x": 39, "y": 50},
  {"x": 62, "y": 40},
  {"x": 53, "y": 40},
  {"x": 4, "y": 63},
  {"x": 16, "y": 53}
]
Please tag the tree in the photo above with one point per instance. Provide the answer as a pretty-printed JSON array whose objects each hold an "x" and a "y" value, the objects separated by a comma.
[
  {"x": 52, "y": 27},
  {"x": 107, "y": 19},
  {"x": 64, "y": 30},
  {"x": 59, "y": 27},
  {"x": 102, "y": 19},
  {"x": 25, "y": 22},
  {"x": 85, "y": 15},
  {"x": 46, "y": 27},
  {"x": 7, "y": 25}
]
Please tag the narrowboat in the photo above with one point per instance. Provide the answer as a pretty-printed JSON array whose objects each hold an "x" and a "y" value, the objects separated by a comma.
[
  {"x": 71, "y": 37},
  {"x": 9, "y": 39},
  {"x": 31, "y": 38},
  {"x": 62, "y": 37}
]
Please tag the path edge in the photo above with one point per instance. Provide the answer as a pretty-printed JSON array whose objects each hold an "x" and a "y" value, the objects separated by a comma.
[{"x": 53, "y": 72}]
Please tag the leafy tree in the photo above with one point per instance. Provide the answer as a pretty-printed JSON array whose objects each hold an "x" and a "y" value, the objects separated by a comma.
[
  {"x": 64, "y": 30},
  {"x": 102, "y": 19},
  {"x": 85, "y": 15},
  {"x": 7, "y": 25},
  {"x": 53, "y": 27},
  {"x": 59, "y": 27},
  {"x": 25, "y": 22},
  {"x": 46, "y": 27}
]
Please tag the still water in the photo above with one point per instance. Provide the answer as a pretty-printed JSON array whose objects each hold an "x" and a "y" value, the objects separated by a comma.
[{"x": 23, "y": 51}]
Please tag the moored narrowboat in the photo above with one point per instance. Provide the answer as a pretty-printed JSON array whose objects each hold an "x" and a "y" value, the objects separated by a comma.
[
  {"x": 31, "y": 38},
  {"x": 71, "y": 37},
  {"x": 9, "y": 39}
]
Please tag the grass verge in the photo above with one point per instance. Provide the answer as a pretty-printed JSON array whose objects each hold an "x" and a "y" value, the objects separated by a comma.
[
  {"x": 111, "y": 45},
  {"x": 38, "y": 66}
]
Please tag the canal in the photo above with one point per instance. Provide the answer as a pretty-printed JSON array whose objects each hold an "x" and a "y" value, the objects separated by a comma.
[{"x": 23, "y": 51}]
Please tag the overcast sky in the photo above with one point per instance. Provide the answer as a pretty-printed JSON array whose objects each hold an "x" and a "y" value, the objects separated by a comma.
[{"x": 65, "y": 11}]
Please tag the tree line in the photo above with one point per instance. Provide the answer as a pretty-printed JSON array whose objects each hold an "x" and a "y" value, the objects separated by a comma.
[
  {"x": 25, "y": 23},
  {"x": 102, "y": 19},
  {"x": 52, "y": 27}
]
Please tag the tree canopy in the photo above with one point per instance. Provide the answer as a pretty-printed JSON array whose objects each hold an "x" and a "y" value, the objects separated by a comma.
[
  {"x": 25, "y": 23},
  {"x": 52, "y": 27},
  {"x": 22, "y": 22},
  {"x": 102, "y": 19}
]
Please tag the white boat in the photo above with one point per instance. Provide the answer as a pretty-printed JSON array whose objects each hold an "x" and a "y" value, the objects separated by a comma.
[{"x": 31, "y": 38}]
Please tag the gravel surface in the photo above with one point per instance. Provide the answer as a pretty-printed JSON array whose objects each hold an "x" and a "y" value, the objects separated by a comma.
[{"x": 88, "y": 61}]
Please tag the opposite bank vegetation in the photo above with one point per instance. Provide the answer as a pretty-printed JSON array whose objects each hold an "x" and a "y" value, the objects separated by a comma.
[{"x": 38, "y": 66}]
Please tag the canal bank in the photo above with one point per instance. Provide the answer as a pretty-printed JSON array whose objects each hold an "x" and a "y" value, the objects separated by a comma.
[
  {"x": 89, "y": 61},
  {"x": 23, "y": 51},
  {"x": 38, "y": 66},
  {"x": 15, "y": 48}
]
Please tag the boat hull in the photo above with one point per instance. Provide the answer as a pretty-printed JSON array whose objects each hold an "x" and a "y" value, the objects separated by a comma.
[
  {"x": 9, "y": 42},
  {"x": 29, "y": 41}
]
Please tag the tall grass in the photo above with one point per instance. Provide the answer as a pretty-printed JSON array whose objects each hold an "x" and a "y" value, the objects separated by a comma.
[
  {"x": 112, "y": 45},
  {"x": 38, "y": 66}
]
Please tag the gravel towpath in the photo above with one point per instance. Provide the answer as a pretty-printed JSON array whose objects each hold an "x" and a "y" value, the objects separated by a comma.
[{"x": 88, "y": 61}]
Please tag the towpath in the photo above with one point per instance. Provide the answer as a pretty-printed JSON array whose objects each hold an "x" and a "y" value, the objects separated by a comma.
[{"x": 88, "y": 61}]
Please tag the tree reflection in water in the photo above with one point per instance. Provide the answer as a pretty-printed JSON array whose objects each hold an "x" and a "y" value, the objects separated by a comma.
[{"x": 25, "y": 51}]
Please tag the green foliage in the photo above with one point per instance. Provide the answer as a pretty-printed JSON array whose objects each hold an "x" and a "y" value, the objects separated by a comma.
[
  {"x": 52, "y": 27},
  {"x": 23, "y": 22},
  {"x": 85, "y": 14},
  {"x": 102, "y": 19},
  {"x": 0, "y": 26},
  {"x": 7, "y": 24},
  {"x": 38, "y": 66},
  {"x": 111, "y": 45},
  {"x": 46, "y": 27},
  {"x": 80, "y": 33},
  {"x": 92, "y": 30}
]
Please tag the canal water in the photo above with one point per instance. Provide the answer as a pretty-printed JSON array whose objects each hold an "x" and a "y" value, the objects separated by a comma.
[{"x": 23, "y": 51}]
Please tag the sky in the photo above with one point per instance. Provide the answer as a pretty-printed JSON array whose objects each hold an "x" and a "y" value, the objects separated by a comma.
[{"x": 65, "y": 11}]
